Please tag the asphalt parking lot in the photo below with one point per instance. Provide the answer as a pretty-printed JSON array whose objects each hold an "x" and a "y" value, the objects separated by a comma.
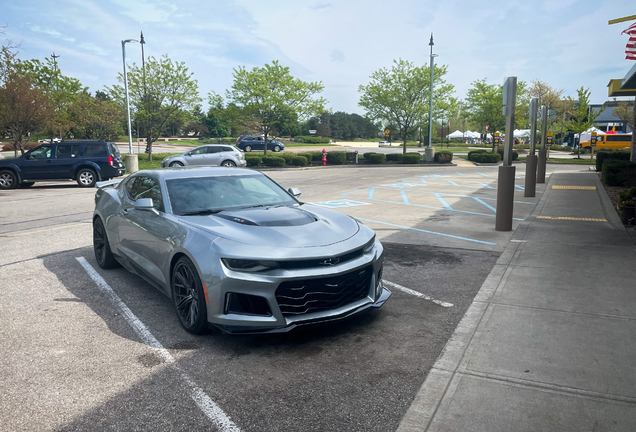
[{"x": 72, "y": 361}]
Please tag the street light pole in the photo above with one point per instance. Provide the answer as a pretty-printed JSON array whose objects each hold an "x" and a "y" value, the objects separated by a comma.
[
  {"x": 123, "y": 54},
  {"x": 430, "y": 111}
]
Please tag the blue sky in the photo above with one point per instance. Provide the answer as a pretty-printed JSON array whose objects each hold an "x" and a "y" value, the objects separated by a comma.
[{"x": 566, "y": 43}]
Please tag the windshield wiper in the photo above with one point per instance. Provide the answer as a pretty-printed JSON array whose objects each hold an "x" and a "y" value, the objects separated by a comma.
[{"x": 202, "y": 212}]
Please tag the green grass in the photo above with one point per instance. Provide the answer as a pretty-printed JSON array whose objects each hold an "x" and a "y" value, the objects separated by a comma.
[
  {"x": 584, "y": 161},
  {"x": 144, "y": 164},
  {"x": 183, "y": 142}
]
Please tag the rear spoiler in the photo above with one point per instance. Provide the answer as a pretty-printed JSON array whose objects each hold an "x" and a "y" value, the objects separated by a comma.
[{"x": 108, "y": 183}]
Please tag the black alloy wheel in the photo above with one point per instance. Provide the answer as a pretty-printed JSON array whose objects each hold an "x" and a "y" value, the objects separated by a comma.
[
  {"x": 101, "y": 246},
  {"x": 188, "y": 297},
  {"x": 8, "y": 180}
]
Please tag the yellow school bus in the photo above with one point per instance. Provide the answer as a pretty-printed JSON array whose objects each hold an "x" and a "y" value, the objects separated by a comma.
[{"x": 611, "y": 141}]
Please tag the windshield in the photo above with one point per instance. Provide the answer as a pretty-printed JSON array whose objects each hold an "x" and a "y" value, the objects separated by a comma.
[
  {"x": 207, "y": 195},
  {"x": 115, "y": 150}
]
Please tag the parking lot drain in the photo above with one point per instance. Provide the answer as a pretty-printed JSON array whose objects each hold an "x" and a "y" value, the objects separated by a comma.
[
  {"x": 575, "y": 187},
  {"x": 572, "y": 218},
  {"x": 203, "y": 401},
  {"x": 417, "y": 294}
]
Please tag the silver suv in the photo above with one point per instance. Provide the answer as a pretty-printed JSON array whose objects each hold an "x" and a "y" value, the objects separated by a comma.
[{"x": 210, "y": 155}]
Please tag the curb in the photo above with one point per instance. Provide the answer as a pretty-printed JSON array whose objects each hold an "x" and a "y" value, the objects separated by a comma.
[
  {"x": 436, "y": 385},
  {"x": 423, "y": 165}
]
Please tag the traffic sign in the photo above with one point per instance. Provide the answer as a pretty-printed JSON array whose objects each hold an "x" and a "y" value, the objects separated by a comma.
[
  {"x": 497, "y": 139},
  {"x": 387, "y": 131},
  {"x": 549, "y": 138}
]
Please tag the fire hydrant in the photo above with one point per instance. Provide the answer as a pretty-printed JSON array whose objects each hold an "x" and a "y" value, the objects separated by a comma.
[{"x": 324, "y": 157}]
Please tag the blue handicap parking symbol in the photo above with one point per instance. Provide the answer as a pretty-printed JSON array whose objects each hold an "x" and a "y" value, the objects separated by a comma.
[{"x": 339, "y": 203}]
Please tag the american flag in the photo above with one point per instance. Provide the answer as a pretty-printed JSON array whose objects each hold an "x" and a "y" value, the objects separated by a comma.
[{"x": 630, "y": 49}]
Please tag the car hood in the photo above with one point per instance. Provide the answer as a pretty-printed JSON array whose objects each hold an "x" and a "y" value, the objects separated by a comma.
[{"x": 279, "y": 226}]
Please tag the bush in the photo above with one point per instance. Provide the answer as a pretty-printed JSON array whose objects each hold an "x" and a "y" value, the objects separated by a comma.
[
  {"x": 253, "y": 161},
  {"x": 488, "y": 158},
  {"x": 560, "y": 147},
  {"x": 444, "y": 156},
  {"x": 627, "y": 197},
  {"x": 288, "y": 156},
  {"x": 473, "y": 155},
  {"x": 298, "y": 161},
  {"x": 619, "y": 173},
  {"x": 376, "y": 158},
  {"x": 607, "y": 154},
  {"x": 274, "y": 161},
  {"x": 315, "y": 156},
  {"x": 394, "y": 157},
  {"x": 515, "y": 155},
  {"x": 366, "y": 156},
  {"x": 27, "y": 146},
  {"x": 311, "y": 140},
  {"x": 336, "y": 157},
  {"x": 351, "y": 157},
  {"x": 412, "y": 158}
]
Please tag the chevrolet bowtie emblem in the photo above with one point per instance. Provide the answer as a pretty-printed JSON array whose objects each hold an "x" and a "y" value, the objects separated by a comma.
[{"x": 330, "y": 261}]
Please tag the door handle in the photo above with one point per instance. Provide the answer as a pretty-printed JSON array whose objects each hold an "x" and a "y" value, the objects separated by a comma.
[{"x": 49, "y": 161}]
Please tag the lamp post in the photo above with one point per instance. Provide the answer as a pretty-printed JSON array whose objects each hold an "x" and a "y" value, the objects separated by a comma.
[
  {"x": 430, "y": 111},
  {"x": 132, "y": 163}
]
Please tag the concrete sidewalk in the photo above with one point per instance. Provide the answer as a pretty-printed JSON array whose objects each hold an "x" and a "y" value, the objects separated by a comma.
[{"x": 549, "y": 343}]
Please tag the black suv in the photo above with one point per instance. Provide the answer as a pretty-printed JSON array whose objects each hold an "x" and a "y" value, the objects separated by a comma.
[{"x": 84, "y": 161}]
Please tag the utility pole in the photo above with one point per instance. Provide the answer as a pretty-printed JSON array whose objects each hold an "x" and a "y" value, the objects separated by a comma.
[
  {"x": 429, "y": 153},
  {"x": 55, "y": 57},
  {"x": 142, "y": 41}
]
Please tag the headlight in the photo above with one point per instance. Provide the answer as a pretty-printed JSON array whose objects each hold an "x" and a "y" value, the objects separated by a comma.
[
  {"x": 369, "y": 246},
  {"x": 249, "y": 265}
]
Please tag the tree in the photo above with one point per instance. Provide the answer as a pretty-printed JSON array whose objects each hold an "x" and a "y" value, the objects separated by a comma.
[
  {"x": 484, "y": 104},
  {"x": 581, "y": 118},
  {"x": 96, "y": 118},
  {"x": 23, "y": 108},
  {"x": 628, "y": 114},
  {"x": 400, "y": 96},
  {"x": 61, "y": 90},
  {"x": 268, "y": 94},
  {"x": 169, "y": 90}
]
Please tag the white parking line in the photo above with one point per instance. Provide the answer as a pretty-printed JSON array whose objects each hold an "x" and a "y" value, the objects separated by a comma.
[
  {"x": 417, "y": 294},
  {"x": 207, "y": 405}
]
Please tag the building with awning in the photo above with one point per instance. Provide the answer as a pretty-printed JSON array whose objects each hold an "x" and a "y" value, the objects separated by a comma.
[{"x": 623, "y": 87}]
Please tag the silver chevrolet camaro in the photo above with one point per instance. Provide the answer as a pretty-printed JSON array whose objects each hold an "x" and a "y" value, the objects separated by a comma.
[{"x": 233, "y": 249}]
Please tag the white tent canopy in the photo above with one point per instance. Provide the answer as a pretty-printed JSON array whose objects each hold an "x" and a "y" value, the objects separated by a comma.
[
  {"x": 521, "y": 133},
  {"x": 456, "y": 134},
  {"x": 587, "y": 135}
]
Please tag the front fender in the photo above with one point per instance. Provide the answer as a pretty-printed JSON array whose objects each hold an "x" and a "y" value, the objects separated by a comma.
[{"x": 15, "y": 168}]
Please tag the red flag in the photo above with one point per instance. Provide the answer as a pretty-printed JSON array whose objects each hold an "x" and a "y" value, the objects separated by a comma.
[{"x": 630, "y": 49}]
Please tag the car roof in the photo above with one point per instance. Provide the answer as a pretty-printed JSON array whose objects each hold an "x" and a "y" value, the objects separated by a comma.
[{"x": 189, "y": 172}]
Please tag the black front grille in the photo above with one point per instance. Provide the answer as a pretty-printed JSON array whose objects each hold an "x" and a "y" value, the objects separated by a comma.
[
  {"x": 316, "y": 295},
  {"x": 302, "y": 264}
]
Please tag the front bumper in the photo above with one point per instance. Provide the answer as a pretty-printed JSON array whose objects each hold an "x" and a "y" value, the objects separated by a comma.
[
  {"x": 309, "y": 322},
  {"x": 361, "y": 290}
]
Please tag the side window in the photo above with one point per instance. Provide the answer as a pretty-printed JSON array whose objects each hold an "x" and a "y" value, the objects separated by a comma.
[
  {"x": 146, "y": 187},
  {"x": 43, "y": 152},
  {"x": 214, "y": 149},
  {"x": 96, "y": 150},
  {"x": 65, "y": 151},
  {"x": 199, "y": 151},
  {"x": 227, "y": 149}
]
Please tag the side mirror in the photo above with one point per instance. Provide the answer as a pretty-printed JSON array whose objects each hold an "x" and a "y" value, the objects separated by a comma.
[
  {"x": 295, "y": 192},
  {"x": 144, "y": 204}
]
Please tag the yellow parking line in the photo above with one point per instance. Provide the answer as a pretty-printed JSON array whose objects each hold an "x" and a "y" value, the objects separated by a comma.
[
  {"x": 572, "y": 218},
  {"x": 22, "y": 233},
  {"x": 575, "y": 187}
]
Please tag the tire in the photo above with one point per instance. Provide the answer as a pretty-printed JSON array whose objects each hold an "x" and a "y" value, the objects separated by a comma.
[
  {"x": 101, "y": 246},
  {"x": 176, "y": 165},
  {"x": 276, "y": 149},
  {"x": 228, "y": 163},
  {"x": 26, "y": 185},
  {"x": 248, "y": 148},
  {"x": 86, "y": 177},
  {"x": 8, "y": 180},
  {"x": 188, "y": 297}
]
